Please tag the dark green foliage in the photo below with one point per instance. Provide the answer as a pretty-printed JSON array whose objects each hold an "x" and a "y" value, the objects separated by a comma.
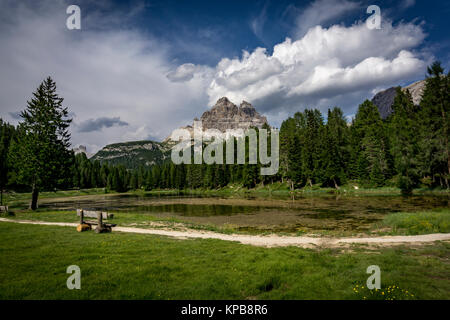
[
  {"x": 370, "y": 149},
  {"x": 335, "y": 152},
  {"x": 7, "y": 134},
  {"x": 404, "y": 127},
  {"x": 41, "y": 154},
  {"x": 311, "y": 160},
  {"x": 434, "y": 127}
]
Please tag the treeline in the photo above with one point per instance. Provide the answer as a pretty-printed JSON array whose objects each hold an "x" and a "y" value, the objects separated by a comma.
[
  {"x": 408, "y": 149},
  {"x": 93, "y": 174}
]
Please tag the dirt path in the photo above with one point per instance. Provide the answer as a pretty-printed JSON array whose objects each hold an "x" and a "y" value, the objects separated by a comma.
[{"x": 264, "y": 241}]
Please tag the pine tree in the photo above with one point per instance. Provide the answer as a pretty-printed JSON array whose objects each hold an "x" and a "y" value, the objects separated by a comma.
[
  {"x": 134, "y": 181},
  {"x": 312, "y": 143},
  {"x": 370, "y": 149},
  {"x": 404, "y": 130},
  {"x": 7, "y": 133},
  {"x": 291, "y": 149},
  {"x": 435, "y": 123},
  {"x": 335, "y": 149},
  {"x": 41, "y": 154},
  {"x": 294, "y": 155}
]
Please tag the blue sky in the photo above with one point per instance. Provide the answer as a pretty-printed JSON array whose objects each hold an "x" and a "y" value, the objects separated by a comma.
[
  {"x": 203, "y": 32},
  {"x": 216, "y": 29},
  {"x": 138, "y": 69}
]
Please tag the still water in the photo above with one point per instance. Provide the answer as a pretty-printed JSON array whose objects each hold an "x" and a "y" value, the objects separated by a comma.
[{"x": 337, "y": 213}]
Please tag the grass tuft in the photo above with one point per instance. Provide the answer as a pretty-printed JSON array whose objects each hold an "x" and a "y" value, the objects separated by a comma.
[{"x": 414, "y": 223}]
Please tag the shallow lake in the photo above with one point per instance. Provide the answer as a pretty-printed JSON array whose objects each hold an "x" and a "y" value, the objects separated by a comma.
[{"x": 306, "y": 214}]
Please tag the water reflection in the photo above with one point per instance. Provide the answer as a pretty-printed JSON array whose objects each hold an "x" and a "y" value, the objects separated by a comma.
[{"x": 259, "y": 214}]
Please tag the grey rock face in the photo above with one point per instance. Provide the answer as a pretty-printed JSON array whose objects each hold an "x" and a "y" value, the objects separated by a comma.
[
  {"x": 384, "y": 99},
  {"x": 226, "y": 115},
  {"x": 416, "y": 90}
]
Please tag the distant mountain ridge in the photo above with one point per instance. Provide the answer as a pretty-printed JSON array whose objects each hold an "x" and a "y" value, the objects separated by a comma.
[
  {"x": 224, "y": 115},
  {"x": 384, "y": 99},
  {"x": 134, "y": 153}
]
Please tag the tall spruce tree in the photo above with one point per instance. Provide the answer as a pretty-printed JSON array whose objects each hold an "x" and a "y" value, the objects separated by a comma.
[
  {"x": 287, "y": 132},
  {"x": 335, "y": 153},
  {"x": 435, "y": 126},
  {"x": 404, "y": 140},
  {"x": 369, "y": 146},
  {"x": 41, "y": 155},
  {"x": 311, "y": 162},
  {"x": 7, "y": 133}
]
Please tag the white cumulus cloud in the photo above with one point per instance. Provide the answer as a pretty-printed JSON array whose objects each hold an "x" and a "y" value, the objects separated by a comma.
[
  {"x": 108, "y": 77},
  {"x": 326, "y": 66}
]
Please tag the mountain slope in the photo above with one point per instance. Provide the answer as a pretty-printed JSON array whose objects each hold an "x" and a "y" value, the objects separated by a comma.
[
  {"x": 224, "y": 115},
  {"x": 134, "y": 154},
  {"x": 384, "y": 99}
]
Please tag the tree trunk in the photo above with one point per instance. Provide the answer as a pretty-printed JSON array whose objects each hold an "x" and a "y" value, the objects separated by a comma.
[
  {"x": 34, "y": 198},
  {"x": 335, "y": 184}
]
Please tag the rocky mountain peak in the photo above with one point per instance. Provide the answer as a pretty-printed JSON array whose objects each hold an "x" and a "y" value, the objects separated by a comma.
[
  {"x": 223, "y": 108},
  {"x": 223, "y": 101},
  {"x": 246, "y": 105},
  {"x": 225, "y": 115},
  {"x": 247, "y": 109},
  {"x": 384, "y": 99}
]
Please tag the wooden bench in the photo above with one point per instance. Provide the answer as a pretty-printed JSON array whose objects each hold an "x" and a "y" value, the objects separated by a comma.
[
  {"x": 100, "y": 215},
  {"x": 3, "y": 209},
  {"x": 93, "y": 214}
]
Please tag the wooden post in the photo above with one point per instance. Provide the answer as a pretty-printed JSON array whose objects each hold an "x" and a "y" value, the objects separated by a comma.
[
  {"x": 100, "y": 219},
  {"x": 81, "y": 216},
  {"x": 99, "y": 228}
]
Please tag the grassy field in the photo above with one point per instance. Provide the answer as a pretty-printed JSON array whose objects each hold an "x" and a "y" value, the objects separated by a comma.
[
  {"x": 412, "y": 223},
  {"x": 14, "y": 199},
  {"x": 129, "y": 266}
]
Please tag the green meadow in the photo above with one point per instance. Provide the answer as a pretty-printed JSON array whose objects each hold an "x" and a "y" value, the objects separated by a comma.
[{"x": 34, "y": 260}]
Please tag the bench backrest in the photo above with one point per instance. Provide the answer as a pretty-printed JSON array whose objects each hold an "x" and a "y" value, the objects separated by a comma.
[{"x": 94, "y": 214}]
